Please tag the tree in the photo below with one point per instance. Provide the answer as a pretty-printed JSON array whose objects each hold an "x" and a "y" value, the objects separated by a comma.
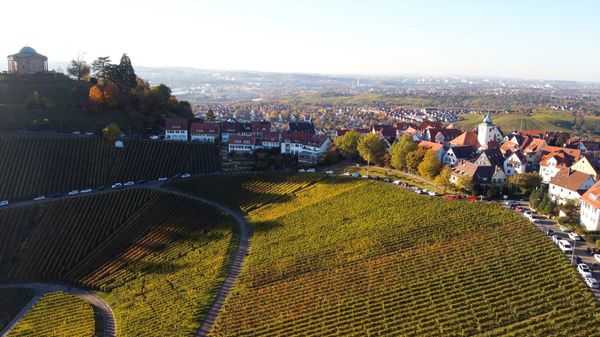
[
  {"x": 400, "y": 149},
  {"x": 371, "y": 148},
  {"x": 127, "y": 79},
  {"x": 536, "y": 198},
  {"x": 430, "y": 166},
  {"x": 112, "y": 131},
  {"x": 347, "y": 144},
  {"x": 79, "y": 68},
  {"x": 96, "y": 95},
  {"x": 443, "y": 179},
  {"x": 100, "y": 67},
  {"x": 210, "y": 115},
  {"x": 111, "y": 95},
  {"x": 414, "y": 158},
  {"x": 525, "y": 182},
  {"x": 465, "y": 183}
]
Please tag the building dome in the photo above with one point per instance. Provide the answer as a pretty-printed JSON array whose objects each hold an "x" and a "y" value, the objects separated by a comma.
[{"x": 27, "y": 50}]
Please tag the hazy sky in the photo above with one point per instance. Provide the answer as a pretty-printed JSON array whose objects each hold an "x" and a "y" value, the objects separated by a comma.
[{"x": 551, "y": 39}]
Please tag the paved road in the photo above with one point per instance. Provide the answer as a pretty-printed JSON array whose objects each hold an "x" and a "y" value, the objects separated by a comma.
[{"x": 108, "y": 317}]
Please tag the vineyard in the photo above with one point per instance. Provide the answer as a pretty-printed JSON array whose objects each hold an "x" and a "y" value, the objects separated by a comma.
[
  {"x": 57, "y": 315},
  {"x": 13, "y": 299},
  {"x": 247, "y": 190},
  {"x": 34, "y": 165},
  {"x": 157, "y": 258},
  {"x": 351, "y": 257}
]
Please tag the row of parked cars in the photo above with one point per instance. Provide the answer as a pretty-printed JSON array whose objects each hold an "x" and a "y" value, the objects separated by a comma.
[{"x": 564, "y": 245}]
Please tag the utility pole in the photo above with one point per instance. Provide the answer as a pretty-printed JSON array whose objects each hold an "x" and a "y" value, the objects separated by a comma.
[{"x": 573, "y": 252}]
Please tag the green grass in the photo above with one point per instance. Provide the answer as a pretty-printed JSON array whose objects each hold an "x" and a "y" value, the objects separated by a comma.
[
  {"x": 57, "y": 315},
  {"x": 34, "y": 165},
  {"x": 350, "y": 257},
  {"x": 158, "y": 259},
  {"x": 13, "y": 300}
]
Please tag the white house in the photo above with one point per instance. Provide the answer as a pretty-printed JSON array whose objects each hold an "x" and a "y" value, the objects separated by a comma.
[
  {"x": 569, "y": 185},
  {"x": 589, "y": 212},
  {"x": 204, "y": 132},
  {"x": 229, "y": 128},
  {"x": 515, "y": 163},
  {"x": 309, "y": 147},
  {"x": 241, "y": 144},
  {"x": 457, "y": 153},
  {"x": 488, "y": 132},
  {"x": 176, "y": 129},
  {"x": 270, "y": 140},
  {"x": 556, "y": 160}
]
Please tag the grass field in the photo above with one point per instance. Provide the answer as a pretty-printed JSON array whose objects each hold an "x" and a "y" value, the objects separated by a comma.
[
  {"x": 13, "y": 299},
  {"x": 57, "y": 315},
  {"x": 33, "y": 165},
  {"x": 541, "y": 119},
  {"x": 158, "y": 259},
  {"x": 349, "y": 257}
]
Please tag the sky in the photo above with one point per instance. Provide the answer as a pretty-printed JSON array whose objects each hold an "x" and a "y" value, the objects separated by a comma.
[{"x": 553, "y": 40}]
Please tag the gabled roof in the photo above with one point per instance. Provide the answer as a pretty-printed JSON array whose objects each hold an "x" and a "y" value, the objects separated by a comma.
[
  {"x": 494, "y": 156},
  {"x": 462, "y": 152},
  {"x": 270, "y": 137},
  {"x": 534, "y": 145},
  {"x": 301, "y": 127},
  {"x": 466, "y": 138},
  {"x": 208, "y": 128},
  {"x": 509, "y": 146},
  {"x": 533, "y": 133},
  {"x": 562, "y": 158},
  {"x": 430, "y": 145},
  {"x": 230, "y": 127},
  {"x": 569, "y": 179},
  {"x": 430, "y": 124},
  {"x": 176, "y": 124},
  {"x": 405, "y": 125},
  {"x": 478, "y": 172},
  {"x": 520, "y": 156},
  {"x": 241, "y": 140},
  {"x": 592, "y": 196},
  {"x": 575, "y": 153},
  {"x": 305, "y": 138},
  {"x": 263, "y": 126},
  {"x": 387, "y": 131},
  {"x": 449, "y": 134}
]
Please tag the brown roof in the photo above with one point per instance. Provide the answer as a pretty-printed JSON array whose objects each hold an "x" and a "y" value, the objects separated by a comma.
[
  {"x": 431, "y": 145},
  {"x": 562, "y": 158},
  {"x": 569, "y": 179},
  {"x": 575, "y": 153},
  {"x": 535, "y": 145},
  {"x": 466, "y": 138},
  {"x": 533, "y": 133},
  {"x": 208, "y": 128},
  {"x": 243, "y": 140},
  {"x": 305, "y": 138},
  {"x": 592, "y": 196},
  {"x": 176, "y": 124},
  {"x": 508, "y": 146}
]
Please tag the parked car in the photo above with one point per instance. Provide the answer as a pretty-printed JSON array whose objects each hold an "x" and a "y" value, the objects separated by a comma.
[
  {"x": 56, "y": 195},
  {"x": 153, "y": 137},
  {"x": 141, "y": 181},
  {"x": 364, "y": 176},
  {"x": 535, "y": 221},
  {"x": 565, "y": 246},
  {"x": 548, "y": 231},
  {"x": 396, "y": 182},
  {"x": 574, "y": 236},
  {"x": 89, "y": 133},
  {"x": 556, "y": 238},
  {"x": 3, "y": 203},
  {"x": 528, "y": 214},
  {"x": 597, "y": 257},
  {"x": 386, "y": 180},
  {"x": 73, "y": 192},
  {"x": 87, "y": 190},
  {"x": 591, "y": 282},
  {"x": 584, "y": 270},
  {"x": 129, "y": 183},
  {"x": 347, "y": 174},
  {"x": 472, "y": 197},
  {"x": 162, "y": 178},
  {"x": 356, "y": 175},
  {"x": 76, "y": 132},
  {"x": 39, "y": 198},
  {"x": 101, "y": 188},
  {"x": 329, "y": 172},
  {"x": 564, "y": 228},
  {"x": 311, "y": 170},
  {"x": 301, "y": 170},
  {"x": 511, "y": 203},
  {"x": 186, "y": 175},
  {"x": 116, "y": 186}
]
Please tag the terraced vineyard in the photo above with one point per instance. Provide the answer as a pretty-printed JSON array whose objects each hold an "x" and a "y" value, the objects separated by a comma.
[
  {"x": 57, "y": 315},
  {"x": 158, "y": 258},
  {"x": 247, "y": 190},
  {"x": 358, "y": 258},
  {"x": 34, "y": 165},
  {"x": 13, "y": 299}
]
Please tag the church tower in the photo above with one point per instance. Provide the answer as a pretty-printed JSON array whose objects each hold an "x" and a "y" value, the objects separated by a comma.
[{"x": 488, "y": 132}]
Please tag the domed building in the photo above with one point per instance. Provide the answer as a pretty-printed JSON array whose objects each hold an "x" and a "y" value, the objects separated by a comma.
[{"x": 27, "y": 61}]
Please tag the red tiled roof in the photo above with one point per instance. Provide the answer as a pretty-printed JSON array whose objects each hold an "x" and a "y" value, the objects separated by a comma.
[
  {"x": 241, "y": 140},
  {"x": 270, "y": 136},
  {"x": 592, "y": 196},
  {"x": 230, "y": 127},
  {"x": 430, "y": 145},
  {"x": 176, "y": 124},
  {"x": 466, "y": 138},
  {"x": 569, "y": 180},
  {"x": 208, "y": 128},
  {"x": 304, "y": 138},
  {"x": 263, "y": 126}
]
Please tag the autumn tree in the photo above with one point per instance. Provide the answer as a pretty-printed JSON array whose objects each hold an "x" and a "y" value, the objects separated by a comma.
[
  {"x": 111, "y": 95},
  {"x": 79, "y": 68},
  {"x": 525, "y": 183},
  {"x": 414, "y": 158},
  {"x": 95, "y": 95},
  {"x": 443, "y": 179},
  {"x": 400, "y": 149},
  {"x": 430, "y": 166},
  {"x": 371, "y": 148},
  {"x": 347, "y": 144},
  {"x": 465, "y": 183}
]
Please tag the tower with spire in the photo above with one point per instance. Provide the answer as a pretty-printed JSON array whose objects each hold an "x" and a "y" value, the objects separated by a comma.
[{"x": 488, "y": 132}]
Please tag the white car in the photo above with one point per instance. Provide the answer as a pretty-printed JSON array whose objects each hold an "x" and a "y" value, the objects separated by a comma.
[
  {"x": 89, "y": 133},
  {"x": 329, "y": 172},
  {"x": 117, "y": 185},
  {"x": 591, "y": 282},
  {"x": 556, "y": 238},
  {"x": 310, "y": 170},
  {"x": 39, "y": 198},
  {"x": 584, "y": 270},
  {"x": 597, "y": 257},
  {"x": 73, "y": 192},
  {"x": 565, "y": 246},
  {"x": 186, "y": 175},
  {"x": 528, "y": 214},
  {"x": 432, "y": 193},
  {"x": 87, "y": 190},
  {"x": 364, "y": 176},
  {"x": 154, "y": 137},
  {"x": 396, "y": 182},
  {"x": 3, "y": 203},
  {"x": 574, "y": 236},
  {"x": 301, "y": 170},
  {"x": 76, "y": 132},
  {"x": 162, "y": 178},
  {"x": 129, "y": 183}
]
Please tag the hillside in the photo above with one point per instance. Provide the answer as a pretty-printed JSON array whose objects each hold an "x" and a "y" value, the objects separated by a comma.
[
  {"x": 36, "y": 165},
  {"x": 155, "y": 257},
  {"x": 357, "y": 258}
]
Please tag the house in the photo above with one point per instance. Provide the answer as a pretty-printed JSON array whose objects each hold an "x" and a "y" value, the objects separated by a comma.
[
  {"x": 309, "y": 147},
  {"x": 508, "y": 147},
  {"x": 227, "y": 129},
  {"x": 258, "y": 128},
  {"x": 490, "y": 157},
  {"x": 270, "y": 140},
  {"x": 435, "y": 147},
  {"x": 385, "y": 131},
  {"x": 558, "y": 158},
  {"x": 429, "y": 124},
  {"x": 515, "y": 163},
  {"x": 569, "y": 185},
  {"x": 588, "y": 145},
  {"x": 457, "y": 153},
  {"x": 306, "y": 127},
  {"x": 205, "y": 132},
  {"x": 588, "y": 164},
  {"x": 589, "y": 210},
  {"x": 533, "y": 151},
  {"x": 176, "y": 129},
  {"x": 481, "y": 175},
  {"x": 341, "y": 132},
  {"x": 441, "y": 135},
  {"x": 403, "y": 126},
  {"x": 534, "y": 133},
  {"x": 467, "y": 138},
  {"x": 241, "y": 144},
  {"x": 488, "y": 132}
]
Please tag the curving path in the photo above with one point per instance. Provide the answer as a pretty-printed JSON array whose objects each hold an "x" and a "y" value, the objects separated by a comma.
[
  {"x": 108, "y": 317},
  {"x": 242, "y": 251}
]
